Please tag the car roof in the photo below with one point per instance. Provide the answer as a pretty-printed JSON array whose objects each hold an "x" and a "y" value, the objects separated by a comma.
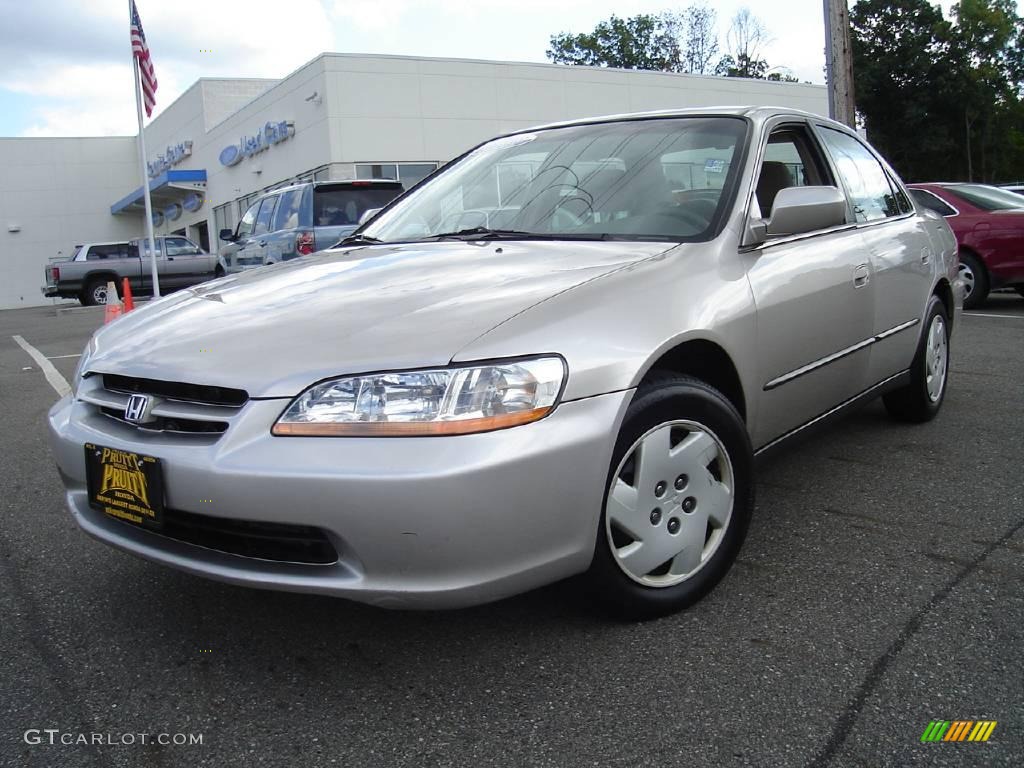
[
  {"x": 338, "y": 183},
  {"x": 756, "y": 113}
]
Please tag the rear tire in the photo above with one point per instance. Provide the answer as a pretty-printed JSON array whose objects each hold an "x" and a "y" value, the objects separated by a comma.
[
  {"x": 95, "y": 293},
  {"x": 678, "y": 502},
  {"x": 921, "y": 399},
  {"x": 976, "y": 282}
]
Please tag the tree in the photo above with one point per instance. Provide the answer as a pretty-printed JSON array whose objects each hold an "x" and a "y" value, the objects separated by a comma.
[
  {"x": 701, "y": 38},
  {"x": 746, "y": 37},
  {"x": 942, "y": 100},
  {"x": 645, "y": 41}
]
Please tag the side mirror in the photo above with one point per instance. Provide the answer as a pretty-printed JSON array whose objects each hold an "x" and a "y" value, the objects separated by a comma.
[
  {"x": 227, "y": 235},
  {"x": 805, "y": 209},
  {"x": 368, "y": 214}
]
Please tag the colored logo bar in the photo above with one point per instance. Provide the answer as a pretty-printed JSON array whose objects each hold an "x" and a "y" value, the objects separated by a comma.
[{"x": 958, "y": 730}]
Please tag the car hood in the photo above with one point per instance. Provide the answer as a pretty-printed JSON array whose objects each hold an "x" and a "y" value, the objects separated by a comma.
[{"x": 275, "y": 331}]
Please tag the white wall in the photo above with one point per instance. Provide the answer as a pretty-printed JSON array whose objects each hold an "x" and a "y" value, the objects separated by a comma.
[
  {"x": 58, "y": 191},
  {"x": 404, "y": 108}
]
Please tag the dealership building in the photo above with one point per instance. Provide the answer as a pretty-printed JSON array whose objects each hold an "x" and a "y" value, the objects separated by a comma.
[{"x": 340, "y": 116}]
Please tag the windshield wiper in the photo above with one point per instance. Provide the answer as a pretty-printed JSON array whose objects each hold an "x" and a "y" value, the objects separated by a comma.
[
  {"x": 359, "y": 239},
  {"x": 485, "y": 233}
]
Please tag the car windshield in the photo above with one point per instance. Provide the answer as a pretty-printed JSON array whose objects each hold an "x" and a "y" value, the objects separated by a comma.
[
  {"x": 663, "y": 179},
  {"x": 987, "y": 198}
]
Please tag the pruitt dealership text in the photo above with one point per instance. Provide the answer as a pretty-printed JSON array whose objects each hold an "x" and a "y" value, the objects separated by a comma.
[{"x": 55, "y": 736}]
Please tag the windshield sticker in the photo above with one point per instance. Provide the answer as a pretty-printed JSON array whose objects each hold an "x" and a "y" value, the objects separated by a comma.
[{"x": 713, "y": 165}]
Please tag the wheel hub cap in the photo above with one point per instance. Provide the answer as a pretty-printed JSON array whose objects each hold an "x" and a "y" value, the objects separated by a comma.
[
  {"x": 936, "y": 358},
  {"x": 690, "y": 466},
  {"x": 967, "y": 275}
]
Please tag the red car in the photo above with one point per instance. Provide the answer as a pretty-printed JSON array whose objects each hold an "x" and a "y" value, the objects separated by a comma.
[{"x": 989, "y": 226}]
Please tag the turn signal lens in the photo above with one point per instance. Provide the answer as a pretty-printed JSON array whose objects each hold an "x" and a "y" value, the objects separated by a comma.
[{"x": 446, "y": 401}]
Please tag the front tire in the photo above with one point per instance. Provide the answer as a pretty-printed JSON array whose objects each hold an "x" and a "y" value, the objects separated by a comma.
[
  {"x": 975, "y": 279},
  {"x": 921, "y": 399},
  {"x": 679, "y": 499}
]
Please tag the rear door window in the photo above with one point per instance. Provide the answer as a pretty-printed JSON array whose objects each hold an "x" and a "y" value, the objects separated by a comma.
[
  {"x": 342, "y": 206},
  {"x": 265, "y": 216},
  {"x": 287, "y": 216},
  {"x": 111, "y": 251}
]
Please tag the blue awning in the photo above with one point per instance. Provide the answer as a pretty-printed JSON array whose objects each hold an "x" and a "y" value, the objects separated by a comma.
[{"x": 166, "y": 189}]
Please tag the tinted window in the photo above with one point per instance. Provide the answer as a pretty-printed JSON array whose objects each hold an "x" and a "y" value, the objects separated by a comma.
[
  {"x": 248, "y": 220},
  {"x": 865, "y": 179},
  {"x": 342, "y": 206},
  {"x": 288, "y": 210},
  {"x": 180, "y": 246},
  {"x": 987, "y": 198},
  {"x": 265, "y": 216},
  {"x": 114, "y": 251},
  {"x": 931, "y": 202},
  {"x": 666, "y": 178}
]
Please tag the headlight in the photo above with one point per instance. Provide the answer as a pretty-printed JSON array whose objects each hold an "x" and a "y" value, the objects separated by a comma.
[
  {"x": 83, "y": 365},
  {"x": 446, "y": 401}
]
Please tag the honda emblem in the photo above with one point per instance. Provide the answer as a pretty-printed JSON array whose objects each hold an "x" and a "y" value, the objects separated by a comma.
[{"x": 137, "y": 409}]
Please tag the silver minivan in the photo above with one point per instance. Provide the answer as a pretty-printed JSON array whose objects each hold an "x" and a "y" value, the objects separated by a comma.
[{"x": 301, "y": 219}]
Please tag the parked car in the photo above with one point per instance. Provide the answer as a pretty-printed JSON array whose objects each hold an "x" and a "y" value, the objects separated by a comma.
[
  {"x": 302, "y": 219},
  {"x": 180, "y": 263},
  {"x": 989, "y": 226},
  {"x": 559, "y": 355}
]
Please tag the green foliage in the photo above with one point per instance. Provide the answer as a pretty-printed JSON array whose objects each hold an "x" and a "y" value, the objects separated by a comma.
[
  {"x": 641, "y": 42},
  {"x": 942, "y": 99}
]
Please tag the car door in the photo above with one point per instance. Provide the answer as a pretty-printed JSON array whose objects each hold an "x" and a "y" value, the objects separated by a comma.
[
  {"x": 813, "y": 295},
  {"x": 255, "y": 248},
  {"x": 186, "y": 261},
  {"x": 900, "y": 250}
]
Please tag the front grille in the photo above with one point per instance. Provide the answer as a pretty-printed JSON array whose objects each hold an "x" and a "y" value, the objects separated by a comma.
[
  {"x": 174, "y": 390},
  {"x": 164, "y": 424},
  {"x": 279, "y": 542}
]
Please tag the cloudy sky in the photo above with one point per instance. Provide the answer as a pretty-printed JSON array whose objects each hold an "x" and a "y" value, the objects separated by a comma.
[{"x": 67, "y": 64}]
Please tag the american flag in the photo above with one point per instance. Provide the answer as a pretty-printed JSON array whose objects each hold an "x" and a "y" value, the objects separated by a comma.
[{"x": 141, "y": 52}]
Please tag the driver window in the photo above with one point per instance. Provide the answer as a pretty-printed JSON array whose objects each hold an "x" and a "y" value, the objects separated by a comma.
[
  {"x": 248, "y": 219},
  {"x": 788, "y": 162}
]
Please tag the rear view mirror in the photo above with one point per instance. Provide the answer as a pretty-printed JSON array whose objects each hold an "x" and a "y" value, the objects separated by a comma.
[
  {"x": 805, "y": 209},
  {"x": 368, "y": 214},
  {"x": 227, "y": 235}
]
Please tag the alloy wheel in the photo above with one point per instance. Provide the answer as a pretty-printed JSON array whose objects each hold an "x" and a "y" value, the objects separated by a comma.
[
  {"x": 968, "y": 278},
  {"x": 670, "y": 503},
  {"x": 936, "y": 358},
  {"x": 99, "y": 294}
]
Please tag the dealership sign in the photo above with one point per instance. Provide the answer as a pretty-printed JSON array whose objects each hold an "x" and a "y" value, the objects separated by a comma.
[
  {"x": 171, "y": 157},
  {"x": 247, "y": 146}
]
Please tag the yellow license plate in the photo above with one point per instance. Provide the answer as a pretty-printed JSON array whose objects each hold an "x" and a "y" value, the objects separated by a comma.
[{"x": 125, "y": 485}]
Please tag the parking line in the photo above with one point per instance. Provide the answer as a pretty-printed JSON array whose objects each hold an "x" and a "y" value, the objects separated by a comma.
[
  {"x": 1005, "y": 317},
  {"x": 58, "y": 382},
  {"x": 62, "y": 357}
]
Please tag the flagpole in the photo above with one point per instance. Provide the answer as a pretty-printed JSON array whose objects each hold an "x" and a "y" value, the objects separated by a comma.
[{"x": 145, "y": 176}]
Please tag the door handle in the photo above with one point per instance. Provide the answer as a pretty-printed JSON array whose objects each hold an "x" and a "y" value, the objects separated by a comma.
[
  {"x": 861, "y": 276},
  {"x": 926, "y": 256},
  {"x": 170, "y": 258}
]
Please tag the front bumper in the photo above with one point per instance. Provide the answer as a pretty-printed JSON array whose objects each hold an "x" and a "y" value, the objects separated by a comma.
[{"x": 434, "y": 522}]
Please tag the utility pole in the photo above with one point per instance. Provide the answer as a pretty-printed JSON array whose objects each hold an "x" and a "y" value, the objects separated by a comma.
[{"x": 839, "y": 63}]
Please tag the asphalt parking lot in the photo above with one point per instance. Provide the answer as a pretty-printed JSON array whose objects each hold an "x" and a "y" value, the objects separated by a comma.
[{"x": 880, "y": 588}]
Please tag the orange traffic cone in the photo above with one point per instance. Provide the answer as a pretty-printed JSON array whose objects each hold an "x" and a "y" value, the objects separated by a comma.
[
  {"x": 112, "y": 310},
  {"x": 126, "y": 292}
]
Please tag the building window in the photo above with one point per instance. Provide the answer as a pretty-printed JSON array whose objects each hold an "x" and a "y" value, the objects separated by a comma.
[
  {"x": 224, "y": 216},
  {"x": 409, "y": 174}
]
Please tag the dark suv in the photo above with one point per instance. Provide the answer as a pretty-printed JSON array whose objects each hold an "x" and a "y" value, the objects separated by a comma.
[{"x": 299, "y": 220}]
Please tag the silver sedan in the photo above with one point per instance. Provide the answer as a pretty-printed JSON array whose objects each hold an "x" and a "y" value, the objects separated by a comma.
[{"x": 560, "y": 355}]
